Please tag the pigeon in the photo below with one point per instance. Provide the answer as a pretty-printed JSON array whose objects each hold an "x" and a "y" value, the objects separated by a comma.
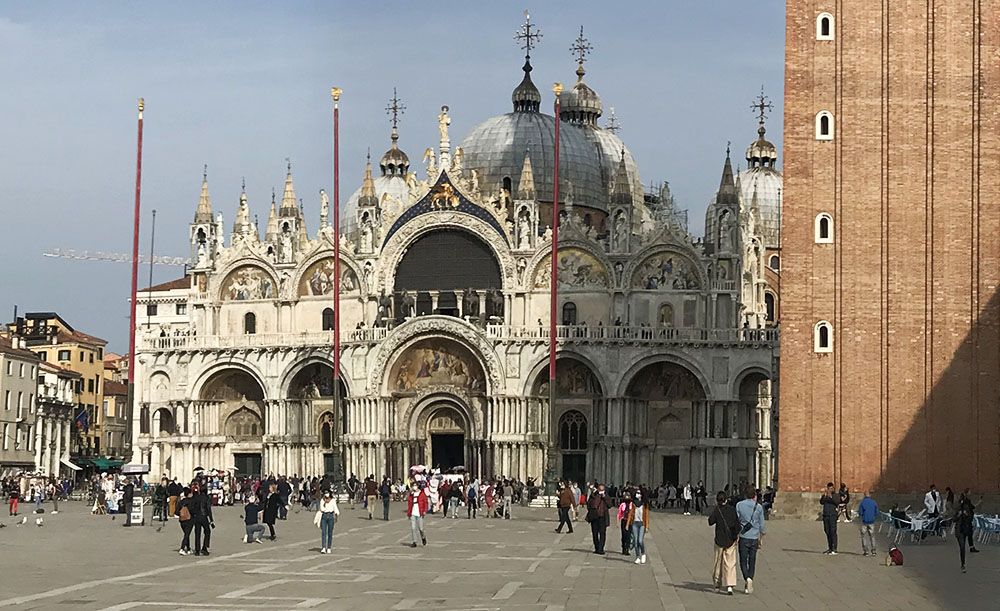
[
  {"x": 24, "y": 520},
  {"x": 38, "y": 521}
]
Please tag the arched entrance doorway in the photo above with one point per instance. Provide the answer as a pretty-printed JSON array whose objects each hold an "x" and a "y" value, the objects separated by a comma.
[
  {"x": 240, "y": 401},
  {"x": 446, "y": 436}
]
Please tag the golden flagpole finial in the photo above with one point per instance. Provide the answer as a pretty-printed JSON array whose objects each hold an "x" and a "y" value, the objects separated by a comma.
[
  {"x": 142, "y": 105},
  {"x": 335, "y": 93},
  {"x": 557, "y": 88}
]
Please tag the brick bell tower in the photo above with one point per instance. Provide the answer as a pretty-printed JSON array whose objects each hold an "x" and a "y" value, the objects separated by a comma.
[{"x": 890, "y": 329}]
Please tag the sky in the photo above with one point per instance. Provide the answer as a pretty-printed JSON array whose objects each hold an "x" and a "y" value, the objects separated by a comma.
[{"x": 241, "y": 86}]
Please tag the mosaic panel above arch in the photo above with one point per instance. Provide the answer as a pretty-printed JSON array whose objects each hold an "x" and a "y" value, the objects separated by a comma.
[
  {"x": 318, "y": 279},
  {"x": 666, "y": 270},
  {"x": 665, "y": 381},
  {"x": 578, "y": 269},
  {"x": 248, "y": 282},
  {"x": 436, "y": 362}
]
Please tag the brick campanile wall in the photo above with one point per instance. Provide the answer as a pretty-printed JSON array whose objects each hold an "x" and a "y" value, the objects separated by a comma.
[{"x": 910, "y": 394}]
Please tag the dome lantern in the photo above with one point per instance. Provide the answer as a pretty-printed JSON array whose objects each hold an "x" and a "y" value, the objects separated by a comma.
[
  {"x": 525, "y": 96},
  {"x": 761, "y": 153},
  {"x": 394, "y": 162},
  {"x": 581, "y": 105}
]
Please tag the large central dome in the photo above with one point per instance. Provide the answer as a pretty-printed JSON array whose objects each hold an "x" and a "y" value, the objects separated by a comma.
[{"x": 495, "y": 149}]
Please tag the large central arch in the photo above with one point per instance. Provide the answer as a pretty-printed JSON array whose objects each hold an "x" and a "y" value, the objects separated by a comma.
[{"x": 440, "y": 327}]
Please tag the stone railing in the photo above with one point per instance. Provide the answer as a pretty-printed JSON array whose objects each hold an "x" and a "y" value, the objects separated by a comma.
[
  {"x": 655, "y": 335},
  {"x": 261, "y": 340},
  {"x": 497, "y": 332}
]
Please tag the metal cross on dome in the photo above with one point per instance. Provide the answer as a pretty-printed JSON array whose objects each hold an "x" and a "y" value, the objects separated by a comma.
[
  {"x": 761, "y": 105},
  {"x": 395, "y": 108},
  {"x": 528, "y": 36},
  {"x": 581, "y": 48}
]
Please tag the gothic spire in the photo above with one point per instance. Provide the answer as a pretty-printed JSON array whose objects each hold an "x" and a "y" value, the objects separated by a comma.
[
  {"x": 727, "y": 186},
  {"x": 526, "y": 185},
  {"x": 289, "y": 203},
  {"x": 622, "y": 188},
  {"x": 368, "y": 196},
  {"x": 204, "y": 212},
  {"x": 272, "y": 221}
]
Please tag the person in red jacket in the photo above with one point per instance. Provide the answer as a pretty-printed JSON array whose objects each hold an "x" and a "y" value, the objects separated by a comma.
[{"x": 416, "y": 508}]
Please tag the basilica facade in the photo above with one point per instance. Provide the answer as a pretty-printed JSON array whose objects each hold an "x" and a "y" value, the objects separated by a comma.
[{"x": 665, "y": 351}]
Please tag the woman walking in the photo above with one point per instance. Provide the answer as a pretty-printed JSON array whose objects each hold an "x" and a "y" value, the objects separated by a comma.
[
  {"x": 325, "y": 519},
  {"x": 638, "y": 520},
  {"x": 727, "y": 534},
  {"x": 623, "y": 511},
  {"x": 184, "y": 515},
  {"x": 272, "y": 506}
]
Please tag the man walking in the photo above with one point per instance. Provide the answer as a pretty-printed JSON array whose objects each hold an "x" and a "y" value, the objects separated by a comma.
[
  {"x": 416, "y": 509},
  {"x": 128, "y": 493},
  {"x": 752, "y": 531},
  {"x": 201, "y": 515},
  {"x": 173, "y": 493},
  {"x": 829, "y": 501},
  {"x": 598, "y": 514},
  {"x": 371, "y": 495},
  {"x": 564, "y": 506},
  {"x": 352, "y": 489},
  {"x": 385, "y": 491},
  {"x": 868, "y": 511}
]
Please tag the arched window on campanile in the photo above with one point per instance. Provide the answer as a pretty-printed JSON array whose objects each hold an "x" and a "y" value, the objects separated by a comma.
[
  {"x": 823, "y": 337},
  {"x": 824, "y": 228},
  {"x": 824, "y": 125},
  {"x": 824, "y": 26}
]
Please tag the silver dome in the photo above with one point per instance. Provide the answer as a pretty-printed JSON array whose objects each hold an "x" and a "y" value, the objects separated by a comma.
[
  {"x": 495, "y": 149},
  {"x": 392, "y": 186},
  {"x": 611, "y": 147},
  {"x": 768, "y": 183}
]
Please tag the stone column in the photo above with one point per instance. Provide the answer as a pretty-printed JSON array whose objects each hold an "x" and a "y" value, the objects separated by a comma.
[{"x": 434, "y": 300}]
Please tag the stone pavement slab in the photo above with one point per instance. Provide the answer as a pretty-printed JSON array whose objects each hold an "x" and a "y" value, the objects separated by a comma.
[{"x": 79, "y": 561}]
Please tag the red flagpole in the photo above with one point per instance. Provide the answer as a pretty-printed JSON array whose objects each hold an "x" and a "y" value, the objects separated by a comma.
[
  {"x": 338, "y": 475},
  {"x": 135, "y": 265},
  {"x": 554, "y": 277},
  {"x": 550, "y": 469}
]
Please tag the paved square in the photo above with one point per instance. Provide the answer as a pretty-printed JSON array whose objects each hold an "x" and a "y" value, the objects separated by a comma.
[{"x": 78, "y": 561}]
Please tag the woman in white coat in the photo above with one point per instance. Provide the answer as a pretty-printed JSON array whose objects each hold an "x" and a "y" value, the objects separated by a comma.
[{"x": 325, "y": 519}]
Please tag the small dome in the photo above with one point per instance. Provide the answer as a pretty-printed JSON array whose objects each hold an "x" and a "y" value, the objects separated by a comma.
[
  {"x": 391, "y": 191},
  {"x": 761, "y": 153},
  {"x": 525, "y": 96},
  {"x": 580, "y": 105},
  {"x": 394, "y": 162}
]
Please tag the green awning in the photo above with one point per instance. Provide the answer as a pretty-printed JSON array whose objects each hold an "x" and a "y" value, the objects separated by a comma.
[{"x": 104, "y": 464}]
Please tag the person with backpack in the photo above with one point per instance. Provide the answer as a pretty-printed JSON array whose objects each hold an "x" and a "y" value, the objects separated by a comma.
[
  {"x": 727, "y": 534},
  {"x": 964, "y": 518},
  {"x": 829, "y": 501},
  {"x": 868, "y": 512},
  {"x": 184, "y": 517},
  {"x": 385, "y": 491},
  {"x": 472, "y": 499},
  {"x": 752, "y": 531}
]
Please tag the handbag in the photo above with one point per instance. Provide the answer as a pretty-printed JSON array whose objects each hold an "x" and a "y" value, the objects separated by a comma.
[
  {"x": 185, "y": 514},
  {"x": 749, "y": 523}
]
